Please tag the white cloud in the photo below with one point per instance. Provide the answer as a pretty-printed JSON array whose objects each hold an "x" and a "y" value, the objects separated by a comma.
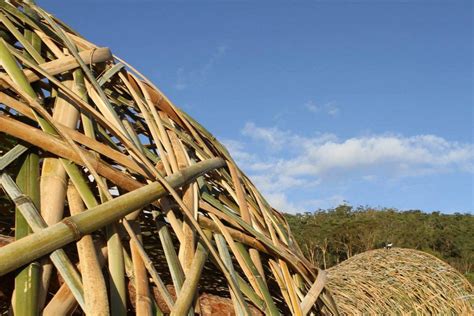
[
  {"x": 312, "y": 107},
  {"x": 329, "y": 108},
  {"x": 184, "y": 78},
  {"x": 280, "y": 162}
]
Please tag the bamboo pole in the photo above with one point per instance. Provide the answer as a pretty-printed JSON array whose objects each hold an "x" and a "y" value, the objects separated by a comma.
[
  {"x": 186, "y": 296},
  {"x": 314, "y": 292},
  {"x": 27, "y": 281},
  {"x": 12, "y": 155},
  {"x": 71, "y": 228},
  {"x": 226, "y": 257},
  {"x": 174, "y": 265},
  {"x": 95, "y": 291},
  {"x": 37, "y": 223},
  {"x": 64, "y": 302},
  {"x": 143, "y": 302},
  {"x": 53, "y": 185}
]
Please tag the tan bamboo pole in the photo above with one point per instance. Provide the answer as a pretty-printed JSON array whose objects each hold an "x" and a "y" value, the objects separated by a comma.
[
  {"x": 143, "y": 302},
  {"x": 64, "y": 64},
  {"x": 64, "y": 302},
  {"x": 314, "y": 292},
  {"x": 276, "y": 270},
  {"x": 244, "y": 213},
  {"x": 90, "y": 201},
  {"x": 71, "y": 228},
  {"x": 85, "y": 106},
  {"x": 53, "y": 184},
  {"x": 291, "y": 289},
  {"x": 54, "y": 145},
  {"x": 114, "y": 245},
  {"x": 95, "y": 290}
]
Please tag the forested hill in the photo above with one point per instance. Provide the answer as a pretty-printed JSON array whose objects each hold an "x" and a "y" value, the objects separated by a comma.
[{"x": 331, "y": 236}]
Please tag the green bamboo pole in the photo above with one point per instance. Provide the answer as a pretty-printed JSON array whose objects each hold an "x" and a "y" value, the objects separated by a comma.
[
  {"x": 272, "y": 309},
  {"x": 72, "y": 228},
  {"x": 176, "y": 270},
  {"x": 227, "y": 259},
  {"x": 12, "y": 155},
  {"x": 282, "y": 252},
  {"x": 185, "y": 298},
  {"x": 110, "y": 73},
  {"x": 16, "y": 74},
  {"x": 116, "y": 266},
  {"x": 26, "y": 44},
  {"x": 248, "y": 267},
  {"x": 37, "y": 223},
  {"x": 27, "y": 281},
  {"x": 174, "y": 265}
]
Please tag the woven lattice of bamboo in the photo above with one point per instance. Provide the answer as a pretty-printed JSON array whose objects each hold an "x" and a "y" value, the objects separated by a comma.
[{"x": 119, "y": 192}]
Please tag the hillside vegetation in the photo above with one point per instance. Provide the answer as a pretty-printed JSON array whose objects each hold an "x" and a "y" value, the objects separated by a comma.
[{"x": 330, "y": 236}]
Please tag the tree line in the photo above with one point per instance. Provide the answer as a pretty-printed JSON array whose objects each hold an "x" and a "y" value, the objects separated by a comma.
[{"x": 330, "y": 236}]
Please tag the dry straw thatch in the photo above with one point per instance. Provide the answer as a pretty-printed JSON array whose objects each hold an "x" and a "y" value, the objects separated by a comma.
[
  {"x": 123, "y": 202},
  {"x": 399, "y": 281}
]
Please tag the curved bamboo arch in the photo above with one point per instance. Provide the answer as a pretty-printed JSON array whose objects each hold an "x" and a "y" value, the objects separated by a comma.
[{"x": 168, "y": 211}]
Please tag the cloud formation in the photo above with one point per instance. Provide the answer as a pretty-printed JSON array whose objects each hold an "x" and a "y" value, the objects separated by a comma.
[
  {"x": 329, "y": 108},
  {"x": 279, "y": 161}
]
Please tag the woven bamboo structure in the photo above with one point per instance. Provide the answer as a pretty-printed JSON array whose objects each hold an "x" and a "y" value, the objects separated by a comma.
[
  {"x": 116, "y": 201},
  {"x": 399, "y": 281}
]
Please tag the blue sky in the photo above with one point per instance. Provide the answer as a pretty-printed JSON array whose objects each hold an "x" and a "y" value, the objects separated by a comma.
[{"x": 369, "y": 102}]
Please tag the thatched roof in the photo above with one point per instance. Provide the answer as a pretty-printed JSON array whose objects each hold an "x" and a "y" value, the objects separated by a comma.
[
  {"x": 399, "y": 281},
  {"x": 166, "y": 204}
]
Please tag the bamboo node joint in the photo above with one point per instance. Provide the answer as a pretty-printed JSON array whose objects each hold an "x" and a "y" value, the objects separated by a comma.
[
  {"x": 22, "y": 199},
  {"x": 73, "y": 228}
]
